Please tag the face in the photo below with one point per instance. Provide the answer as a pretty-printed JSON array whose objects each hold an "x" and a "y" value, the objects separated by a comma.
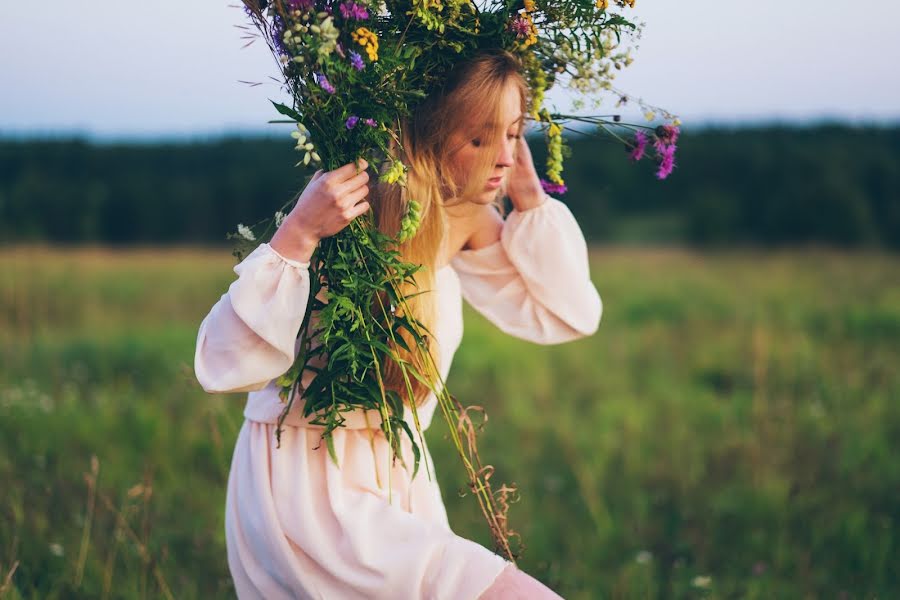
[{"x": 469, "y": 149}]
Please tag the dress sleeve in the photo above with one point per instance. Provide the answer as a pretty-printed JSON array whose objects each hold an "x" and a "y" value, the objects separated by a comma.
[
  {"x": 248, "y": 338},
  {"x": 534, "y": 282}
]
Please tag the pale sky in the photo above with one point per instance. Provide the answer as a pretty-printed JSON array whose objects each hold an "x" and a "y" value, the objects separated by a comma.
[{"x": 162, "y": 69}]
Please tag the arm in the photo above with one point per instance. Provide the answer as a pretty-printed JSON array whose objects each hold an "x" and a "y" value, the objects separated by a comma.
[
  {"x": 531, "y": 277},
  {"x": 248, "y": 337}
]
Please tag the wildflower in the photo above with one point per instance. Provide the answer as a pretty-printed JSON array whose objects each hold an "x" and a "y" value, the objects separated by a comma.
[
  {"x": 667, "y": 161},
  {"x": 640, "y": 145},
  {"x": 396, "y": 172},
  {"x": 529, "y": 5},
  {"x": 554, "y": 156},
  {"x": 300, "y": 4},
  {"x": 351, "y": 122},
  {"x": 701, "y": 581},
  {"x": 368, "y": 40},
  {"x": 356, "y": 61},
  {"x": 352, "y": 10},
  {"x": 279, "y": 218},
  {"x": 411, "y": 221},
  {"x": 328, "y": 34},
  {"x": 649, "y": 115},
  {"x": 245, "y": 232},
  {"x": 324, "y": 83},
  {"x": 602, "y": 4},
  {"x": 643, "y": 557},
  {"x": 553, "y": 188},
  {"x": 524, "y": 27},
  {"x": 629, "y": 3},
  {"x": 371, "y": 122},
  {"x": 668, "y": 133},
  {"x": 303, "y": 146}
]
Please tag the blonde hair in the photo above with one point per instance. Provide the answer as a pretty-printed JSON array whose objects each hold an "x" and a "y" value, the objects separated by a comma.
[{"x": 473, "y": 87}]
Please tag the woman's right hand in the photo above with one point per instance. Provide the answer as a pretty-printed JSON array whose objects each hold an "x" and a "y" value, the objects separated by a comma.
[{"x": 328, "y": 203}]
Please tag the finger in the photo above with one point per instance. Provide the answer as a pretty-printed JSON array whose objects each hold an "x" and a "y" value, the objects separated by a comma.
[
  {"x": 354, "y": 196},
  {"x": 360, "y": 209},
  {"x": 349, "y": 170},
  {"x": 353, "y": 184},
  {"x": 316, "y": 175}
]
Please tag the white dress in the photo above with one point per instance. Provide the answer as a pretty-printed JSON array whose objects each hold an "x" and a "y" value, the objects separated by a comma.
[{"x": 297, "y": 525}]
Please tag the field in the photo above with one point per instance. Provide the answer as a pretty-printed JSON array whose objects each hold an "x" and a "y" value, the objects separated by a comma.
[{"x": 732, "y": 430}]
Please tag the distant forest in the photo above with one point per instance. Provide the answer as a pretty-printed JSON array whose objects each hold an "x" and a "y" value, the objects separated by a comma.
[{"x": 832, "y": 185}]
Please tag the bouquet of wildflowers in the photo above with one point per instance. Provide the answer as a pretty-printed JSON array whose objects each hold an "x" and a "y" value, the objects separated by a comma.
[{"x": 354, "y": 70}]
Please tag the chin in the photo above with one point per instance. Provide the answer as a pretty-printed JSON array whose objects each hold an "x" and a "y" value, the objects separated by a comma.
[{"x": 487, "y": 197}]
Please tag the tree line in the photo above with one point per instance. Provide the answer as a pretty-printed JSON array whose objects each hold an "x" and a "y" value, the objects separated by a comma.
[{"x": 828, "y": 184}]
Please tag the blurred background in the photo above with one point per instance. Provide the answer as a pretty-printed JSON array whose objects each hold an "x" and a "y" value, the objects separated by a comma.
[{"x": 731, "y": 431}]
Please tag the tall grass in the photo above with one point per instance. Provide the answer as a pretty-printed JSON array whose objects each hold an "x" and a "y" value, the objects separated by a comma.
[{"x": 731, "y": 431}]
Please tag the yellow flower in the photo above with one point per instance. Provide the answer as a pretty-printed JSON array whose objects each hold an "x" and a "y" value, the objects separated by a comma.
[
  {"x": 602, "y": 4},
  {"x": 368, "y": 40},
  {"x": 396, "y": 172},
  {"x": 529, "y": 5}
]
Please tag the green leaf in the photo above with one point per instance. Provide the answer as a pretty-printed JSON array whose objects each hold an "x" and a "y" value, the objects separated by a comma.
[{"x": 287, "y": 111}]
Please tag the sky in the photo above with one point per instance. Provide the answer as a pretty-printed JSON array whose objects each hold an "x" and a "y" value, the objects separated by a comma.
[{"x": 145, "y": 70}]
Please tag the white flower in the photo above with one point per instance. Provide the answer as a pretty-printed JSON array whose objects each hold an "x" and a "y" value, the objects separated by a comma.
[
  {"x": 643, "y": 557},
  {"x": 702, "y": 581},
  {"x": 245, "y": 232},
  {"x": 304, "y": 146},
  {"x": 279, "y": 218}
]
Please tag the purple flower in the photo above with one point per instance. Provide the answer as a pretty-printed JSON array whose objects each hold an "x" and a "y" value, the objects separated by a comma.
[
  {"x": 300, "y": 4},
  {"x": 357, "y": 61},
  {"x": 640, "y": 145},
  {"x": 553, "y": 188},
  {"x": 324, "y": 83},
  {"x": 667, "y": 160},
  {"x": 351, "y": 122},
  {"x": 352, "y": 10},
  {"x": 371, "y": 122}
]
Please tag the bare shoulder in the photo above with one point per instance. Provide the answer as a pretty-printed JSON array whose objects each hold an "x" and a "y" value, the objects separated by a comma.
[
  {"x": 483, "y": 227},
  {"x": 472, "y": 227}
]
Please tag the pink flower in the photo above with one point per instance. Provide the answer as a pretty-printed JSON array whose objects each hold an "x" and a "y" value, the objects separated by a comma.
[
  {"x": 553, "y": 188},
  {"x": 668, "y": 133},
  {"x": 667, "y": 160},
  {"x": 352, "y": 10},
  {"x": 371, "y": 122},
  {"x": 520, "y": 26},
  {"x": 640, "y": 145}
]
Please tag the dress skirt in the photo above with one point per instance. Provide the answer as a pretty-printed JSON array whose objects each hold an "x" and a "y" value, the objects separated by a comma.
[{"x": 299, "y": 526}]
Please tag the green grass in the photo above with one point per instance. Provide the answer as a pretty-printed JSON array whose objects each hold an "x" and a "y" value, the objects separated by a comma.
[{"x": 732, "y": 430}]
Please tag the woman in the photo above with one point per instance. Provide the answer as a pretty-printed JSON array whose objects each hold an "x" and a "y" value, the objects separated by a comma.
[{"x": 298, "y": 525}]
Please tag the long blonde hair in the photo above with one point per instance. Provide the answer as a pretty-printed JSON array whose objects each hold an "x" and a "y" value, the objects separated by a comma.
[{"x": 473, "y": 88}]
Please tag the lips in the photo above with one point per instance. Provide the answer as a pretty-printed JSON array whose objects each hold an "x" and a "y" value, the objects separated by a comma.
[{"x": 495, "y": 179}]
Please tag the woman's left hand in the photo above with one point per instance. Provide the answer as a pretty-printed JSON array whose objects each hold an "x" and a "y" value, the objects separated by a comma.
[{"x": 524, "y": 186}]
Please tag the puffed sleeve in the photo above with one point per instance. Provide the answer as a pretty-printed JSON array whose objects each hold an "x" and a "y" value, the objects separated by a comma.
[
  {"x": 534, "y": 282},
  {"x": 248, "y": 338}
]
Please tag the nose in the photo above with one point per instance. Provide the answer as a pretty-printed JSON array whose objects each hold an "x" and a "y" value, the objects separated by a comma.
[{"x": 505, "y": 158}]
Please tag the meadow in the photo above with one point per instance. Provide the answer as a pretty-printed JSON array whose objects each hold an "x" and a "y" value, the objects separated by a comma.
[{"x": 731, "y": 431}]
